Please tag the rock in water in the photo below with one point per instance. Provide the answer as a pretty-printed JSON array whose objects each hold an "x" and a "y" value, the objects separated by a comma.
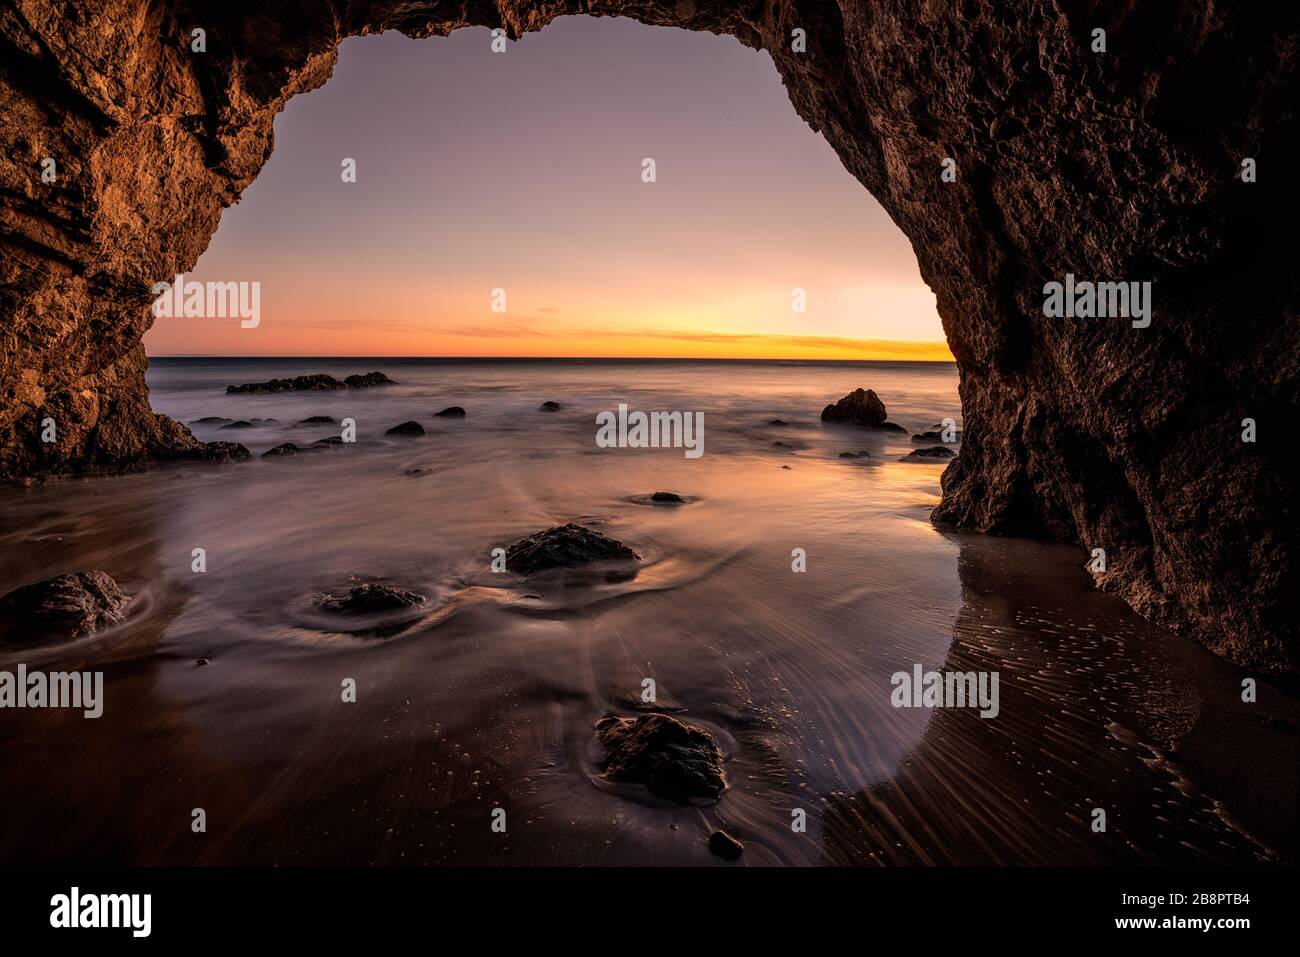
[
  {"x": 936, "y": 454},
  {"x": 318, "y": 420},
  {"x": 288, "y": 448},
  {"x": 860, "y": 407},
  {"x": 667, "y": 498},
  {"x": 549, "y": 406},
  {"x": 314, "y": 383},
  {"x": 61, "y": 608},
  {"x": 240, "y": 424},
  {"x": 371, "y": 598},
  {"x": 725, "y": 846},
  {"x": 564, "y": 546},
  {"x": 675, "y": 760},
  {"x": 211, "y": 420},
  {"x": 406, "y": 428},
  {"x": 451, "y": 412},
  {"x": 216, "y": 452},
  {"x": 367, "y": 380}
]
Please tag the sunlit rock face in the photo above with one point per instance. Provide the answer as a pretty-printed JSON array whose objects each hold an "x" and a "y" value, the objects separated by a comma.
[{"x": 1123, "y": 165}]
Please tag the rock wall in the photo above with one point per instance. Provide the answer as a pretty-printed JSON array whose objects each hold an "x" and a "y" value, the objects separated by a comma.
[{"x": 1120, "y": 165}]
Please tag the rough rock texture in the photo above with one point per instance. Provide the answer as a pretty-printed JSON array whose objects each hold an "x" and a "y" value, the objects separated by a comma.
[
  {"x": 564, "y": 546},
  {"x": 673, "y": 759},
  {"x": 860, "y": 407},
  {"x": 1122, "y": 165},
  {"x": 61, "y": 608},
  {"x": 370, "y": 598}
]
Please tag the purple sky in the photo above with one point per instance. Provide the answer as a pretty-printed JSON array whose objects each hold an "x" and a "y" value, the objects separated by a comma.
[{"x": 522, "y": 170}]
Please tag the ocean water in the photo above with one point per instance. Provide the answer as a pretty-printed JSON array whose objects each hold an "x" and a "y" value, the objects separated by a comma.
[{"x": 487, "y": 696}]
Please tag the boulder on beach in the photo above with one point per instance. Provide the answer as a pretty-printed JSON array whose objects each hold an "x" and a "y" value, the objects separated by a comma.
[
  {"x": 406, "y": 428},
  {"x": 725, "y": 846},
  {"x": 318, "y": 420},
  {"x": 371, "y": 598},
  {"x": 860, "y": 407},
  {"x": 314, "y": 383},
  {"x": 451, "y": 412},
  {"x": 936, "y": 454},
  {"x": 61, "y": 608},
  {"x": 564, "y": 546},
  {"x": 674, "y": 760},
  {"x": 549, "y": 406},
  {"x": 667, "y": 498}
]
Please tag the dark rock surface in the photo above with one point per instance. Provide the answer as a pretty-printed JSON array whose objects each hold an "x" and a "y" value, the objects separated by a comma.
[
  {"x": 549, "y": 406},
  {"x": 318, "y": 420},
  {"x": 280, "y": 451},
  {"x": 211, "y": 420},
  {"x": 238, "y": 424},
  {"x": 936, "y": 454},
  {"x": 675, "y": 760},
  {"x": 725, "y": 846},
  {"x": 319, "y": 382},
  {"x": 451, "y": 412},
  {"x": 564, "y": 546},
  {"x": 216, "y": 453},
  {"x": 855, "y": 455},
  {"x": 860, "y": 407},
  {"x": 61, "y": 608},
  {"x": 1083, "y": 430},
  {"x": 667, "y": 498},
  {"x": 406, "y": 428},
  {"x": 371, "y": 598}
]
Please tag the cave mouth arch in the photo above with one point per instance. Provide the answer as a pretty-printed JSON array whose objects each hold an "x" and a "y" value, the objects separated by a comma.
[{"x": 1088, "y": 432}]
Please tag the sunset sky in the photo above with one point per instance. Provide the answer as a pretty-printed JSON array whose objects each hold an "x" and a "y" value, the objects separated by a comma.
[{"x": 522, "y": 171}]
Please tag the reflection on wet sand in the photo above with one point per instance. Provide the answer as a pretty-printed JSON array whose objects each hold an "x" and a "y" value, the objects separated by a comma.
[{"x": 1091, "y": 718}]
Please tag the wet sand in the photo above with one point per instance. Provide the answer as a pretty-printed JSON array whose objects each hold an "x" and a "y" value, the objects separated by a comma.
[{"x": 488, "y": 696}]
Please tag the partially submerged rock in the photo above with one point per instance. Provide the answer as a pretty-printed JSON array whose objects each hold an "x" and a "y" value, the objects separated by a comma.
[
  {"x": 216, "y": 452},
  {"x": 549, "y": 406},
  {"x": 371, "y": 598},
  {"x": 288, "y": 448},
  {"x": 936, "y": 434},
  {"x": 855, "y": 455},
  {"x": 936, "y": 454},
  {"x": 61, "y": 608},
  {"x": 675, "y": 760},
  {"x": 860, "y": 407},
  {"x": 777, "y": 422},
  {"x": 406, "y": 428},
  {"x": 667, "y": 498},
  {"x": 329, "y": 441},
  {"x": 725, "y": 846},
  {"x": 564, "y": 546},
  {"x": 314, "y": 383},
  {"x": 238, "y": 424},
  {"x": 451, "y": 412},
  {"x": 318, "y": 420},
  {"x": 211, "y": 420}
]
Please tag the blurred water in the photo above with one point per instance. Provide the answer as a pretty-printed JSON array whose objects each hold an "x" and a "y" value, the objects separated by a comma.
[{"x": 488, "y": 696}]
